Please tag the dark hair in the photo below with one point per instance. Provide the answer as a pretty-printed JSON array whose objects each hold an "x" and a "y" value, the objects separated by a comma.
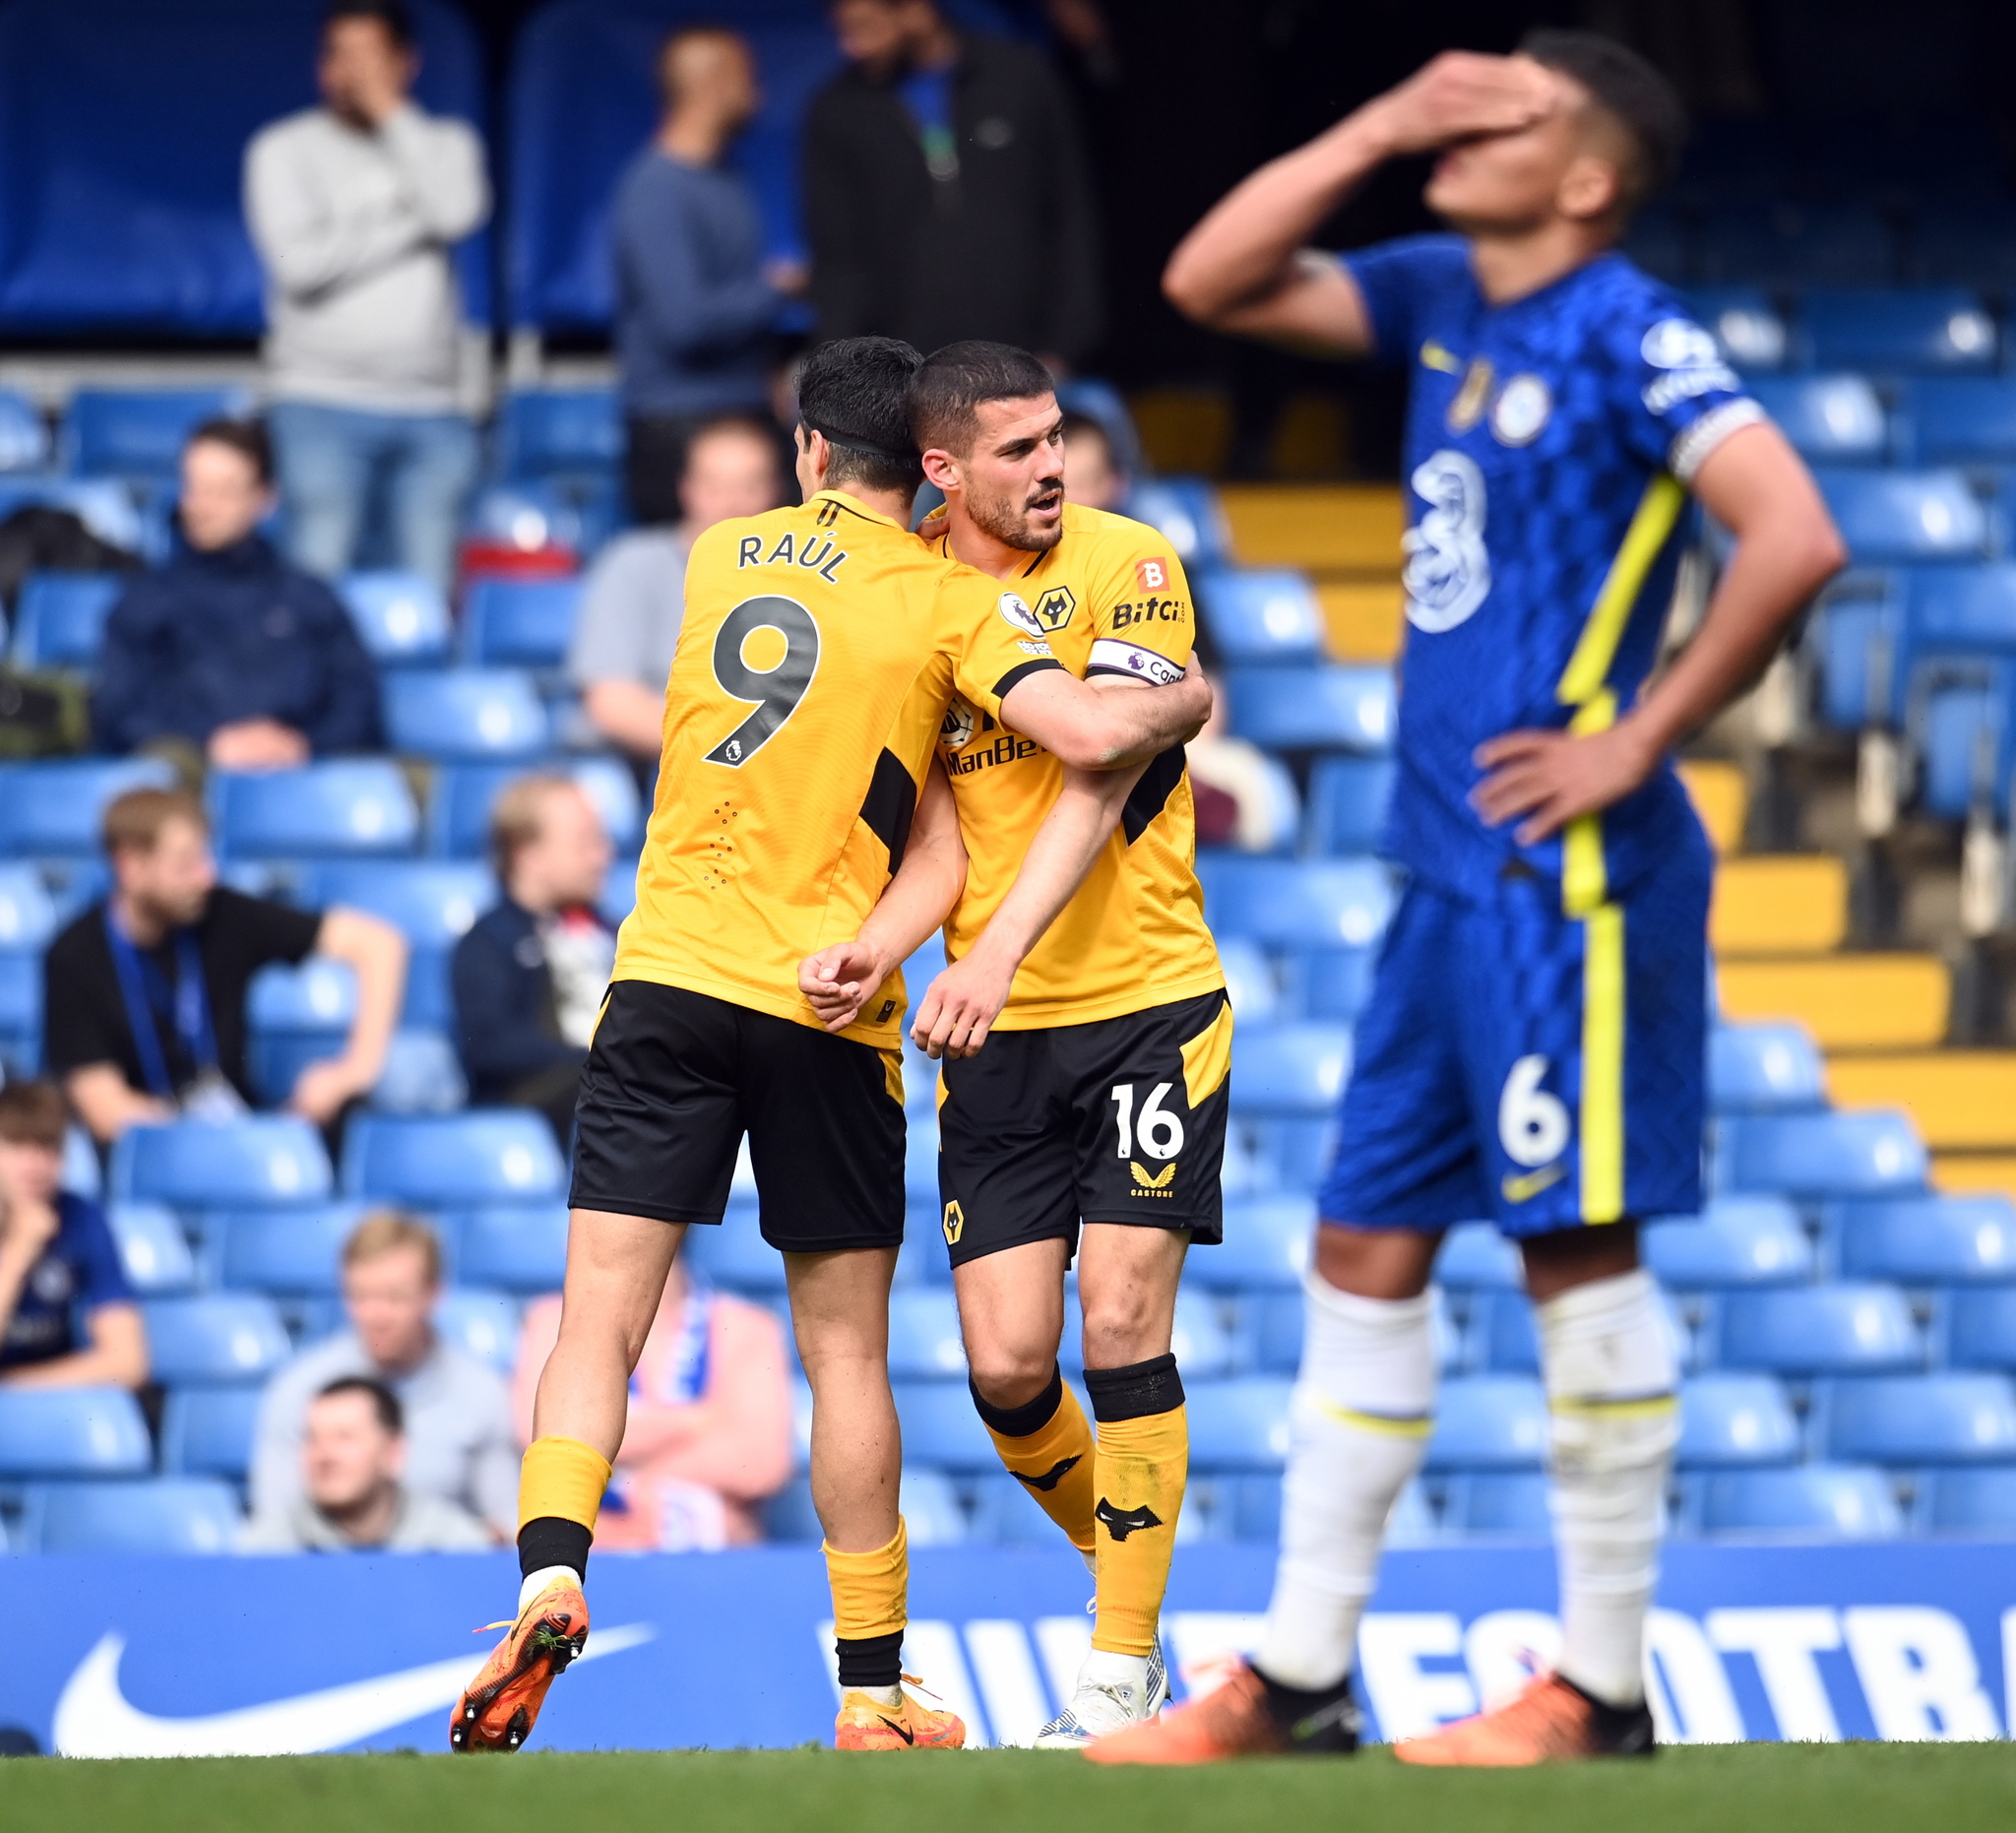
[
  {"x": 1628, "y": 90},
  {"x": 247, "y": 438},
  {"x": 393, "y": 14},
  {"x": 33, "y": 1113},
  {"x": 855, "y": 391},
  {"x": 947, "y": 394},
  {"x": 384, "y": 1402}
]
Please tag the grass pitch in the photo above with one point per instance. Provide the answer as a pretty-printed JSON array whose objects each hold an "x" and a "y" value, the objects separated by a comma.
[{"x": 1740, "y": 1789}]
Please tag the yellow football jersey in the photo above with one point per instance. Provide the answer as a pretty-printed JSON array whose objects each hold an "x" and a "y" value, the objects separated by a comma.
[
  {"x": 1109, "y": 599},
  {"x": 815, "y": 664}
]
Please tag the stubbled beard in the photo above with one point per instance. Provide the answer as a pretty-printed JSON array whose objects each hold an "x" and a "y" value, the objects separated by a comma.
[{"x": 1008, "y": 522}]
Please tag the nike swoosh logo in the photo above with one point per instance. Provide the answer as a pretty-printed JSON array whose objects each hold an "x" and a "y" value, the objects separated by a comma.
[
  {"x": 901, "y": 1730},
  {"x": 93, "y": 1718},
  {"x": 1525, "y": 1189}
]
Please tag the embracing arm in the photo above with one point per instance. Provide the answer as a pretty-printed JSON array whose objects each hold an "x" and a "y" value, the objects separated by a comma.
[{"x": 1087, "y": 729}]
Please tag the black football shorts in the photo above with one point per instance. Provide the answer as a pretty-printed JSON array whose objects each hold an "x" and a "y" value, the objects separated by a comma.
[
  {"x": 1118, "y": 1120},
  {"x": 673, "y": 1080}
]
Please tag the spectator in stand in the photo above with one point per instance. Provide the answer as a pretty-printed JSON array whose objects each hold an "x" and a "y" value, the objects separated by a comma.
[
  {"x": 144, "y": 995},
  {"x": 710, "y": 1427},
  {"x": 228, "y": 656},
  {"x": 635, "y": 596},
  {"x": 696, "y": 303},
  {"x": 59, "y": 1266},
  {"x": 355, "y": 208},
  {"x": 529, "y": 978},
  {"x": 931, "y": 153},
  {"x": 1245, "y": 800},
  {"x": 459, "y": 1446},
  {"x": 1092, "y": 475},
  {"x": 352, "y": 1499}
]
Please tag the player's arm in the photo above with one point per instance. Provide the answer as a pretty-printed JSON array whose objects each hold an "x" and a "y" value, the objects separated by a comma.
[
  {"x": 841, "y": 980},
  {"x": 1089, "y": 730},
  {"x": 1787, "y": 547},
  {"x": 1248, "y": 266}
]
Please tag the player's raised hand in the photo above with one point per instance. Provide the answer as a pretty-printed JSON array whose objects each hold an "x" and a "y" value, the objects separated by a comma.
[
  {"x": 838, "y": 981},
  {"x": 962, "y": 1004},
  {"x": 1462, "y": 93},
  {"x": 1551, "y": 777}
]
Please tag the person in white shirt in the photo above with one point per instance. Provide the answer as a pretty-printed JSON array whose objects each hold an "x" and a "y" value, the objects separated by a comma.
[{"x": 354, "y": 208}]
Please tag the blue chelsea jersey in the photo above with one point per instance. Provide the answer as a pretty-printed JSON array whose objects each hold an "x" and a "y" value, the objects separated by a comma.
[{"x": 1548, "y": 441}]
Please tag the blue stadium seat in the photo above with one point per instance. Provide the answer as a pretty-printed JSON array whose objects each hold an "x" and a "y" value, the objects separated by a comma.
[
  {"x": 25, "y": 443},
  {"x": 1830, "y": 419},
  {"x": 1475, "y": 1257},
  {"x": 1249, "y": 981},
  {"x": 1927, "y": 1419},
  {"x": 930, "y": 1508},
  {"x": 1290, "y": 1069},
  {"x": 1748, "y": 328},
  {"x": 1736, "y": 1241},
  {"x": 1806, "y": 1330},
  {"x": 72, "y": 1432},
  {"x": 942, "y": 1431},
  {"x": 1818, "y": 1501},
  {"x": 1892, "y": 517},
  {"x": 483, "y": 1323},
  {"x": 139, "y": 433},
  {"x": 923, "y": 1336},
  {"x": 520, "y": 1249},
  {"x": 21, "y": 1011},
  {"x": 214, "y": 1337},
  {"x": 347, "y": 808},
  {"x": 422, "y": 1074},
  {"x": 503, "y": 1154},
  {"x": 1735, "y": 1419},
  {"x": 294, "y": 1251},
  {"x": 318, "y": 998},
  {"x": 402, "y": 618},
  {"x": 429, "y": 998},
  {"x": 1330, "y": 984},
  {"x": 1239, "y": 1424},
  {"x": 1926, "y": 1241},
  {"x": 1295, "y": 904},
  {"x": 1924, "y": 331},
  {"x": 53, "y": 810},
  {"x": 534, "y": 515},
  {"x": 1854, "y": 640},
  {"x": 788, "y": 1517},
  {"x": 151, "y": 1515},
  {"x": 204, "y": 1164},
  {"x": 1202, "y": 1346},
  {"x": 544, "y": 433},
  {"x": 1968, "y": 1502},
  {"x": 153, "y": 1249},
  {"x": 1958, "y": 421},
  {"x": 734, "y": 1256},
  {"x": 1501, "y": 1505},
  {"x": 1266, "y": 1246},
  {"x": 1978, "y": 1328},
  {"x": 1960, "y": 743},
  {"x": 434, "y": 902},
  {"x": 472, "y": 713},
  {"x": 458, "y": 809},
  {"x": 1966, "y": 242},
  {"x": 1780, "y": 244},
  {"x": 1188, "y": 511},
  {"x": 1764, "y": 1069},
  {"x": 28, "y": 915},
  {"x": 1255, "y": 615},
  {"x": 1332, "y": 707},
  {"x": 209, "y": 1431},
  {"x": 519, "y": 623},
  {"x": 1006, "y": 1514},
  {"x": 1875, "y": 1152},
  {"x": 1348, "y": 801},
  {"x": 1489, "y": 1423}
]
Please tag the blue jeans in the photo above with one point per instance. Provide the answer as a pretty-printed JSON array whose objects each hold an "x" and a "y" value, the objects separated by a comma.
[{"x": 362, "y": 488}]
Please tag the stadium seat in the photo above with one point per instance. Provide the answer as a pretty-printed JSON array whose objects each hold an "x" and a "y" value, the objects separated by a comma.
[
  {"x": 1960, "y": 742},
  {"x": 1006, "y": 1514},
  {"x": 422, "y": 1074},
  {"x": 503, "y": 1154},
  {"x": 1241, "y": 1425},
  {"x": 1821, "y": 1502},
  {"x": 294, "y": 1251},
  {"x": 1854, "y": 640},
  {"x": 1809, "y": 1330},
  {"x": 1977, "y": 1329},
  {"x": 401, "y": 619},
  {"x": 734, "y": 1256},
  {"x": 347, "y": 808},
  {"x": 153, "y": 1251},
  {"x": 21, "y": 1011},
  {"x": 1736, "y": 1241},
  {"x": 207, "y": 1165},
  {"x": 1291, "y": 1070},
  {"x": 1332, "y": 707},
  {"x": 465, "y": 712},
  {"x": 54, "y": 809},
  {"x": 214, "y": 1337},
  {"x": 519, "y": 623},
  {"x": 1911, "y": 1419},
  {"x": 1891, "y": 518},
  {"x": 1200, "y": 1344},
  {"x": 1330, "y": 984},
  {"x": 942, "y": 1431},
  {"x": 150, "y": 1515},
  {"x": 1489, "y": 1423},
  {"x": 458, "y": 809},
  {"x": 1830, "y": 419},
  {"x": 1875, "y": 1152},
  {"x": 484, "y": 1323},
  {"x": 549, "y": 520},
  {"x": 209, "y": 1431},
  {"x": 518, "y": 1249},
  {"x": 1733, "y": 1420},
  {"x": 1502, "y": 1505},
  {"x": 1266, "y": 1246},
  {"x": 1926, "y": 1241},
  {"x": 25, "y": 443},
  {"x": 1188, "y": 511},
  {"x": 544, "y": 432},
  {"x": 1764, "y": 1069},
  {"x": 28, "y": 916},
  {"x": 1292, "y": 903},
  {"x": 429, "y": 998},
  {"x": 1968, "y": 1502},
  {"x": 139, "y": 433},
  {"x": 1955, "y": 615},
  {"x": 930, "y": 1509},
  {"x": 72, "y": 1432},
  {"x": 1348, "y": 801},
  {"x": 923, "y": 1336},
  {"x": 1249, "y": 981},
  {"x": 434, "y": 902},
  {"x": 1922, "y": 330},
  {"x": 1958, "y": 421},
  {"x": 1748, "y": 328},
  {"x": 1255, "y": 615},
  {"x": 1475, "y": 1257},
  {"x": 319, "y": 997}
]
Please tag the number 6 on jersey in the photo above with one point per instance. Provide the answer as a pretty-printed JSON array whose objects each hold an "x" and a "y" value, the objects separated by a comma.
[{"x": 777, "y": 689}]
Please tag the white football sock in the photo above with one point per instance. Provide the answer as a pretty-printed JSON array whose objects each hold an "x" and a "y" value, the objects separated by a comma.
[
  {"x": 536, "y": 1582},
  {"x": 889, "y": 1696},
  {"x": 1606, "y": 1350},
  {"x": 1364, "y": 1406}
]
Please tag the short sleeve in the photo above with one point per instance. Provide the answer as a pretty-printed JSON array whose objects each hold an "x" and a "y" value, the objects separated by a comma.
[
  {"x": 995, "y": 638},
  {"x": 1143, "y": 620},
  {"x": 94, "y": 1254},
  {"x": 1678, "y": 397},
  {"x": 617, "y": 633},
  {"x": 1395, "y": 279},
  {"x": 256, "y": 930}
]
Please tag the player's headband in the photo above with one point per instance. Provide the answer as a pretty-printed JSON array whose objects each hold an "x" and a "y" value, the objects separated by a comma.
[{"x": 868, "y": 448}]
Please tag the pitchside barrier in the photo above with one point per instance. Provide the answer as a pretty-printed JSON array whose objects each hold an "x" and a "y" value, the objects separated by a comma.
[{"x": 218, "y": 1657}]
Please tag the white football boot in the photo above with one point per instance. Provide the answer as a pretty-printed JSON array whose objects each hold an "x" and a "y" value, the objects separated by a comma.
[{"x": 1113, "y": 1693}]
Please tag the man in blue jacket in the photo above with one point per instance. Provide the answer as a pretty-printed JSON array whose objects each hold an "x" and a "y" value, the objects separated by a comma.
[{"x": 228, "y": 651}]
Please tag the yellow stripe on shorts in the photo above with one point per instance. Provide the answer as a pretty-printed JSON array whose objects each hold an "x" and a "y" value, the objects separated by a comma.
[{"x": 1208, "y": 1057}]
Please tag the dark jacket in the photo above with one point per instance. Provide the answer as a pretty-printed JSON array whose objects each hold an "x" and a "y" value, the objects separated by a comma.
[
  {"x": 239, "y": 634},
  {"x": 505, "y": 1027},
  {"x": 1006, "y": 249}
]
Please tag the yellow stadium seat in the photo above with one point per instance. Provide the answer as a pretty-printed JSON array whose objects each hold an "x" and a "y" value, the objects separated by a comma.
[
  {"x": 1337, "y": 527},
  {"x": 1958, "y": 1098},
  {"x": 1185, "y": 431},
  {"x": 1968, "y": 1171},
  {"x": 1720, "y": 797},
  {"x": 1849, "y": 1002},
  {"x": 1362, "y": 618},
  {"x": 1787, "y": 904}
]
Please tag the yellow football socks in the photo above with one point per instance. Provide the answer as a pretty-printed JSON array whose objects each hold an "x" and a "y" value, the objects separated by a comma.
[
  {"x": 1139, "y": 1471},
  {"x": 870, "y": 1591},
  {"x": 1048, "y": 1446},
  {"x": 561, "y": 1478}
]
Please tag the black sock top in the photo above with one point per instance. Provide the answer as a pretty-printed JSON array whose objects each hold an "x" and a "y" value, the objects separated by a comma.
[{"x": 1135, "y": 1392}]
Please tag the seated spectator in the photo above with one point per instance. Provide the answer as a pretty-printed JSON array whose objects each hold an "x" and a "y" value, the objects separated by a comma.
[
  {"x": 227, "y": 654},
  {"x": 144, "y": 995},
  {"x": 354, "y": 1454},
  {"x": 1244, "y": 798},
  {"x": 710, "y": 1428},
  {"x": 458, "y": 1442},
  {"x": 529, "y": 978},
  {"x": 59, "y": 1266},
  {"x": 635, "y": 596},
  {"x": 1091, "y": 474}
]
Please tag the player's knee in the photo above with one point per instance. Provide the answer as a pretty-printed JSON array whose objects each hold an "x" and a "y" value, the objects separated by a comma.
[
  {"x": 1126, "y": 1327},
  {"x": 1375, "y": 1263},
  {"x": 1009, "y": 1374},
  {"x": 1569, "y": 1257}
]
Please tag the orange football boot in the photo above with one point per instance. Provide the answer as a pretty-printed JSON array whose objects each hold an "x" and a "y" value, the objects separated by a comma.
[
  {"x": 1235, "y": 1720},
  {"x": 501, "y": 1706},
  {"x": 864, "y": 1724},
  {"x": 1550, "y": 1719}
]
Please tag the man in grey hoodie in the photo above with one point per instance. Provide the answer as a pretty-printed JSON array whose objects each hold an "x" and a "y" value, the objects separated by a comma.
[{"x": 354, "y": 208}]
